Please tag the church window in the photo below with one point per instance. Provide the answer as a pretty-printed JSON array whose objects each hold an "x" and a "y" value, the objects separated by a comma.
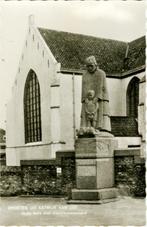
[
  {"x": 133, "y": 97},
  {"x": 32, "y": 109}
]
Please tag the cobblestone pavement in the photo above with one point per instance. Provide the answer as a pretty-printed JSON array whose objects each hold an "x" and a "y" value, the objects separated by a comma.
[{"x": 55, "y": 211}]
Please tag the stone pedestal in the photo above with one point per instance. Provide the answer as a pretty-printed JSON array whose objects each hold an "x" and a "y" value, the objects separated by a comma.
[{"x": 95, "y": 169}]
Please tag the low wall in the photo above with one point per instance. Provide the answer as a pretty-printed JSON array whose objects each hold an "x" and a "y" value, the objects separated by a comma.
[
  {"x": 48, "y": 178},
  {"x": 10, "y": 180},
  {"x": 57, "y": 177},
  {"x": 130, "y": 172},
  {"x": 38, "y": 178}
]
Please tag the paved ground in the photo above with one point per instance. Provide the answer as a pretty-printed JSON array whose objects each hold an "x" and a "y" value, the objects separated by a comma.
[{"x": 54, "y": 211}]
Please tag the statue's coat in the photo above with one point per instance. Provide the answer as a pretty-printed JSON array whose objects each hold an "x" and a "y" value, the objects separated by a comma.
[{"x": 97, "y": 81}]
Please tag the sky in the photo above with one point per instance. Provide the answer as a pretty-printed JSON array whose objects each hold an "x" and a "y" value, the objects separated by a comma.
[{"x": 114, "y": 19}]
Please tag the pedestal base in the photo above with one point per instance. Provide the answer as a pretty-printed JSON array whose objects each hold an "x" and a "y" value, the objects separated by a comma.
[
  {"x": 91, "y": 201},
  {"x": 94, "y": 170},
  {"x": 95, "y": 196}
]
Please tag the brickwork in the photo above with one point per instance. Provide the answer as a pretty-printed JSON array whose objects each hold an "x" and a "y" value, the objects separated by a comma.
[
  {"x": 68, "y": 175},
  {"x": 2, "y": 136},
  {"x": 124, "y": 126},
  {"x": 39, "y": 179},
  {"x": 10, "y": 180},
  {"x": 44, "y": 179},
  {"x": 130, "y": 175}
]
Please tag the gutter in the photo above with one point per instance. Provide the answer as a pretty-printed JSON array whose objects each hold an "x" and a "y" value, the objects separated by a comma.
[
  {"x": 121, "y": 75},
  {"x": 132, "y": 71}
]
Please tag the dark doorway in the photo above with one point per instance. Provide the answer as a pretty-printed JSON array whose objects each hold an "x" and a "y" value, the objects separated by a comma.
[{"x": 133, "y": 98}]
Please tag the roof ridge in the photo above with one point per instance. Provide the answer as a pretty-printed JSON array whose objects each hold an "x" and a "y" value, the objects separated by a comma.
[{"x": 79, "y": 34}]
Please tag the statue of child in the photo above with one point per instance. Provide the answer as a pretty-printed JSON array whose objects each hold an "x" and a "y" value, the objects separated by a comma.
[{"x": 91, "y": 107}]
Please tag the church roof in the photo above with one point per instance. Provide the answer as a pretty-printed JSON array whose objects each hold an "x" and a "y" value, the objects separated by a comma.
[
  {"x": 136, "y": 53},
  {"x": 71, "y": 49}
]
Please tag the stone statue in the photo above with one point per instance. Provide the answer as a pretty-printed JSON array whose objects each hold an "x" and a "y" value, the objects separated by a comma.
[
  {"x": 95, "y": 115},
  {"x": 90, "y": 108}
]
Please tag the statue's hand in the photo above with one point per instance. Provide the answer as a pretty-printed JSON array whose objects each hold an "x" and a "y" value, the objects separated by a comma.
[
  {"x": 90, "y": 116},
  {"x": 95, "y": 100}
]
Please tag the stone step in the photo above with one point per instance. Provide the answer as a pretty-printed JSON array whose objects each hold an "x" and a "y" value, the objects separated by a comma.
[
  {"x": 92, "y": 201},
  {"x": 94, "y": 194}
]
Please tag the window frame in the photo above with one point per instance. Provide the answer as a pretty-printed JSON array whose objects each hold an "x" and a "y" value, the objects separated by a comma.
[{"x": 32, "y": 109}]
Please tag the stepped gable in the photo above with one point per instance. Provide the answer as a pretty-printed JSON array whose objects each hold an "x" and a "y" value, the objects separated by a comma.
[{"x": 71, "y": 50}]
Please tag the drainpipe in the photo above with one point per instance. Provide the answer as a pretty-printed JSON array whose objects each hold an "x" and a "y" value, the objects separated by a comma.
[{"x": 74, "y": 117}]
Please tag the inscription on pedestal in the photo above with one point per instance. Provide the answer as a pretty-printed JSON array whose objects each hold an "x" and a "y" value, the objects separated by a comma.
[{"x": 86, "y": 171}]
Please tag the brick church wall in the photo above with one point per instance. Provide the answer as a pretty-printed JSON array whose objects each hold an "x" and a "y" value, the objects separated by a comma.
[{"x": 124, "y": 126}]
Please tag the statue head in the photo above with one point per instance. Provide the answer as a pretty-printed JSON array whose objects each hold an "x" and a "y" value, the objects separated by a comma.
[
  {"x": 91, "y": 64},
  {"x": 90, "y": 94}
]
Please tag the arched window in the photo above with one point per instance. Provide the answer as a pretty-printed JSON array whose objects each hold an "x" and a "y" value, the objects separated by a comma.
[
  {"x": 133, "y": 97},
  {"x": 32, "y": 109}
]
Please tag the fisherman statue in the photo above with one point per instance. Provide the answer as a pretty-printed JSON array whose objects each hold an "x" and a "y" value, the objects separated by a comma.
[{"x": 95, "y": 116}]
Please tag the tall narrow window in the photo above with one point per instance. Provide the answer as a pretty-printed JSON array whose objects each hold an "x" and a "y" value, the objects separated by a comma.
[
  {"x": 133, "y": 97},
  {"x": 32, "y": 109}
]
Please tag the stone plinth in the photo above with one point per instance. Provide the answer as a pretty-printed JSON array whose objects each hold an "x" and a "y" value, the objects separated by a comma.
[
  {"x": 100, "y": 194},
  {"x": 95, "y": 168}
]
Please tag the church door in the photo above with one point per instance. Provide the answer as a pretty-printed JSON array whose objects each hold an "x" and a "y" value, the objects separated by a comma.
[{"x": 133, "y": 98}]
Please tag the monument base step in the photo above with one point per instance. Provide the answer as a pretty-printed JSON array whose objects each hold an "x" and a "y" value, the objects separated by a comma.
[
  {"x": 92, "y": 201},
  {"x": 94, "y": 194}
]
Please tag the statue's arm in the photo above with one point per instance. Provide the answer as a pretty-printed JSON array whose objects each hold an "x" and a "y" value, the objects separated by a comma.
[
  {"x": 105, "y": 89},
  {"x": 102, "y": 93}
]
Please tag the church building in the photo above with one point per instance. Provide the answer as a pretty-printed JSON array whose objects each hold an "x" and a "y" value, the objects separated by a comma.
[{"x": 43, "y": 115}]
